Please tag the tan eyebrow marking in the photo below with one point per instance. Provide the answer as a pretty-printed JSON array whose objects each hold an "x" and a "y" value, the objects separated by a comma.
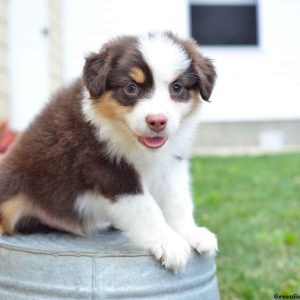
[{"x": 137, "y": 75}]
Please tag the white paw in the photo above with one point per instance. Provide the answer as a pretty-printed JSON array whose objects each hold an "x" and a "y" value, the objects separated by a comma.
[
  {"x": 173, "y": 252},
  {"x": 204, "y": 241}
]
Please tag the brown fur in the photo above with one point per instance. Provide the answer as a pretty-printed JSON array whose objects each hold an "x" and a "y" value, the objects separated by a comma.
[
  {"x": 111, "y": 69},
  {"x": 195, "y": 99},
  {"x": 58, "y": 158}
]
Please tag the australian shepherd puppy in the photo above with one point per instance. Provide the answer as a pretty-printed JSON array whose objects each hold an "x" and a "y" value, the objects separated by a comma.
[{"x": 113, "y": 147}]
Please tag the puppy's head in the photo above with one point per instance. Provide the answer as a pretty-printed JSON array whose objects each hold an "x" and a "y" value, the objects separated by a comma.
[{"x": 148, "y": 85}]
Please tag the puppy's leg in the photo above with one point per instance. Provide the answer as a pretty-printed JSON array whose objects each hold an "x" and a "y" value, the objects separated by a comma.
[
  {"x": 140, "y": 218},
  {"x": 11, "y": 211},
  {"x": 177, "y": 206}
]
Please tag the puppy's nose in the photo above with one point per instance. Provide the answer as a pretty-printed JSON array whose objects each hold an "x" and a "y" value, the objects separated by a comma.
[{"x": 157, "y": 122}]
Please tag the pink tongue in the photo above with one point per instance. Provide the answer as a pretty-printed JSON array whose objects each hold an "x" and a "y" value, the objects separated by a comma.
[{"x": 152, "y": 142}]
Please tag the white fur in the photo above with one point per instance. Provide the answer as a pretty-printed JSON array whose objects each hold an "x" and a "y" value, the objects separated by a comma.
[
  {"x": 142, "y": 221},
  {"x": 174, "y": 198},
  {"x": 93, "y": 208},
  {"x": 165, "y": 58},
  {"x": 161, "y": 219}
]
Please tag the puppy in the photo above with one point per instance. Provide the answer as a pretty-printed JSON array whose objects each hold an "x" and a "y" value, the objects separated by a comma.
[{"x": 113, "y": 147}]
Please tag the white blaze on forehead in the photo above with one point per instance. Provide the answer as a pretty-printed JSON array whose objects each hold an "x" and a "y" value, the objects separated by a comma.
[{"x": 165, "y": 58}]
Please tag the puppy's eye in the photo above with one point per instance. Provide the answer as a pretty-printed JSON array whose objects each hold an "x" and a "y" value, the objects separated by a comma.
[
  {"x": 177, "y": 88},
  {"x": 131, "y": 89}
]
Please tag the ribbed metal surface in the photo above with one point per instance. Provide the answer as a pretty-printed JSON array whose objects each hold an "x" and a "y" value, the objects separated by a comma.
[{"x": 106, "y": 266}]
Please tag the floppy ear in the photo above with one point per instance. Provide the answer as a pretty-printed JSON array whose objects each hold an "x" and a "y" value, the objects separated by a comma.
[
  {"x": 206, "y": 77},
  {"x": 95, "y": 72},
  {"x": 204, "y": 69}
]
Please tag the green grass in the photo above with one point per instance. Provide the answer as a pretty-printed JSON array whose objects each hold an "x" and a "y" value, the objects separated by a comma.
[{"x": 253, "y": 205}]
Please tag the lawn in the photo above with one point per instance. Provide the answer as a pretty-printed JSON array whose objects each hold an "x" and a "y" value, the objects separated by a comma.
[{"x": 253, "y": 205}]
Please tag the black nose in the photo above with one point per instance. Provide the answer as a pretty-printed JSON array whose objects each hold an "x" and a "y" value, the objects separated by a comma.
[{"x": 157, "y": 122}]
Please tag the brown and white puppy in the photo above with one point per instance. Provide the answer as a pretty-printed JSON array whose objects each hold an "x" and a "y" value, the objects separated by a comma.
[{"x": 113, "y": 146}]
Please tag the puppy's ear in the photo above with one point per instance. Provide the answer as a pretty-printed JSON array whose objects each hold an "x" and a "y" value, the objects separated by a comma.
[
  {"x": 206, "y": 75},
  {"x": 95, "y": 72},
  {"x": 204, "y": 69}
]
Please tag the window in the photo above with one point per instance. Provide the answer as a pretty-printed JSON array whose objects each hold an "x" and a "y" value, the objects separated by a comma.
[{"x": 224, "y": 22}]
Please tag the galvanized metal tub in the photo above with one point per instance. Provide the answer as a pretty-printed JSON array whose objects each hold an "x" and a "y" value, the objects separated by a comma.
[{"x": 106, "y": 266}]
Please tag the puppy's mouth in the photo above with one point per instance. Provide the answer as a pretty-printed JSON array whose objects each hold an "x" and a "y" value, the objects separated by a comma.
[{"x": 152, "y": 142}]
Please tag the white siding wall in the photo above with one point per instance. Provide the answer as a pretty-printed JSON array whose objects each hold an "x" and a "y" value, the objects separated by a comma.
[
  {"x": 28, "y": 51},
  {"x": 3, "y": 62},
  {"x": 88, "y": 24},
  {"x": 260, "y": 83},
  {"x": 55, "y": 44},
  {"x": 35, "y": 57}
]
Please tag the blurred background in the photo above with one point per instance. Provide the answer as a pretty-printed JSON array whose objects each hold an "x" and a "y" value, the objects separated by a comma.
[{"x": 255, "y": 45}]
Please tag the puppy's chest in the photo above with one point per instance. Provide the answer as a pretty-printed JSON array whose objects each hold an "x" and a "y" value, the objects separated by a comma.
[{"x": 155, "y": 178}]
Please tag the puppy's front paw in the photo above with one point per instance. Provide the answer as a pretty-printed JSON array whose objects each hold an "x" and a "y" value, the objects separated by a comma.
[
  {"x": 204, "y": 241},
  {"x": 173, "y": 252}
]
